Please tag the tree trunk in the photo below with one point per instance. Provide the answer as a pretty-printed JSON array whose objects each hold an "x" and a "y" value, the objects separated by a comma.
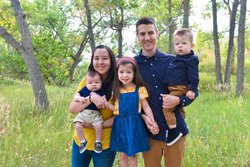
[
  {"x": 117, "y": 25},
  {"x": 233, "y": 60},
  {"x": 119, "y": 29},
  {"x": 120, "y": 42},
  {"x": 230, "y": 44},
  {"x": 186, "y": 14},
  {"x": 90, "y": 27},
  {"x": 76, "y": 57},
  {"x": 25, "y": 48},
  {"x": 216, "y": 48},
  {"x": 171, "y": 29},
  {"x": 241, "y": 49}
]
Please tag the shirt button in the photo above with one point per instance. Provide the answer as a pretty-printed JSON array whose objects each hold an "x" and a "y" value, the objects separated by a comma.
[
  {"x": 183, "y": 100},
  {"x": 151, "y": 64},
  {"x": 153, "y": 75},
  {"x": 156, "y": 86},
  {"x": 160, "y": 98}
]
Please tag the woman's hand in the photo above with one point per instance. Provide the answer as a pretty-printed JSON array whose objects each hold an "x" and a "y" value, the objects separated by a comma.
[
  {"x": 87, "y": 125},
  {"x": 98, "y": 100}
]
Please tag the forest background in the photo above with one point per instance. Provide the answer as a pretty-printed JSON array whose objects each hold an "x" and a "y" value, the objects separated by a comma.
[{"x": 45, "y": 49}]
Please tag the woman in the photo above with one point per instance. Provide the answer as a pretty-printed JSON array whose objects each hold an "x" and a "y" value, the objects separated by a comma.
[{"x": 103, "y": 61}]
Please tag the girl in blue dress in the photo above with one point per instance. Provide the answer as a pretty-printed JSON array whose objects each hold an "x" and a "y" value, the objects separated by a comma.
[{"x": 128, "y": 134}]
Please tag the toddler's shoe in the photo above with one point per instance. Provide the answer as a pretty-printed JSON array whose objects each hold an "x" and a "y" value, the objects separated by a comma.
[
  {"x": 83, "y": 146},
  {"x": 98, "y": 147},
  {"x": 173, "y": 136}
]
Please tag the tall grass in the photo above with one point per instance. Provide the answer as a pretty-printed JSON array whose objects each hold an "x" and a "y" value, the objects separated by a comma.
[{"x": 219, "y": 126}]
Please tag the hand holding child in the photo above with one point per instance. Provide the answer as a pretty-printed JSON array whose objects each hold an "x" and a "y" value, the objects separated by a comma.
[
  {"x": 98, "y": 100},
  {"x": 82, "y": 100}
]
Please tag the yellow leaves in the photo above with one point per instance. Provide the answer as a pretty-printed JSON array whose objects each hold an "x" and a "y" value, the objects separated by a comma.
[
  {"x": 70, "y": 60},
  {"x": 63, "y": 65},
  {"x": 66, "y": 73}
]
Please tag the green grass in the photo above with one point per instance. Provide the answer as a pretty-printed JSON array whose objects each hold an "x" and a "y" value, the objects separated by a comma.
[{"x": 219, "y": 126}]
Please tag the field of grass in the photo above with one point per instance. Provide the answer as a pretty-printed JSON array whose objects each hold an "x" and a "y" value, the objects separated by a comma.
[{"x": 219, "y": 126}]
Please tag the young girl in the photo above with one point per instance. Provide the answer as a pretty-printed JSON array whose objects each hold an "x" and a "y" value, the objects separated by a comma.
[{"x": 128, "y": 134}]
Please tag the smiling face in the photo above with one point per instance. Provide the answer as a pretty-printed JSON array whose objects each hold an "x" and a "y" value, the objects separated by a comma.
[
  {"x": 93, "y": 83},
  {"x": 147, "y": 35},
  {"x": 182, "y": 45},
  {"x": 126, "y": 74},
  {"x": 102, "y": 62}
]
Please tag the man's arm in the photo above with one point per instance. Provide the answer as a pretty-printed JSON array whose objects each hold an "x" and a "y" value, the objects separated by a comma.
[{"x": 170, "y": 101}]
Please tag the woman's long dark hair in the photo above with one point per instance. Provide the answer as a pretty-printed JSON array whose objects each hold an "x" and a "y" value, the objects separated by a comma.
[
  {"x": 137, "y": 80},
  {"x": 108, "y": 82}
]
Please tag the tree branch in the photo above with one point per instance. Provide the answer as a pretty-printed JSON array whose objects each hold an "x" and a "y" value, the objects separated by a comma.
[
  {"x": 9, "y": 39},
  {"x": 54, "y": 29},
  {"x": 172, "y": 21}
]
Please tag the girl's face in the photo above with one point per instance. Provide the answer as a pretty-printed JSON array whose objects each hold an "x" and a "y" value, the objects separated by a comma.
[
  {"x": 126, "y": 74},
  {"x": 102, "y": 62}
]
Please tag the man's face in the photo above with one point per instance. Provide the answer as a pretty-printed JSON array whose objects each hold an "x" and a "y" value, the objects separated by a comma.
[{"x": 147, "y": 36}]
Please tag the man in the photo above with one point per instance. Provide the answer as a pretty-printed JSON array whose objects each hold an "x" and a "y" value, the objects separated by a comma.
[{"x": 153, "y": 65}]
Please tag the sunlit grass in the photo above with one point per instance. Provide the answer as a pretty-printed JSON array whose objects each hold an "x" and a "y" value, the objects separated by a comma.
[{"x": 218, "y": 122}]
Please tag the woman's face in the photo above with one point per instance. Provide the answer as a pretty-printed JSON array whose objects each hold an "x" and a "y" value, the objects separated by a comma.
[{"x": 102, "y": 62}]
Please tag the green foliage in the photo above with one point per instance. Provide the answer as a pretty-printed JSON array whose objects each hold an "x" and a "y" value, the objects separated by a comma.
[
  {"x": 12, "y": 65},
  {"x": 204, "y": 40},
  {"x": 81, "y": 72},
  {"x": 53, "y": 58},
  {"x": 51, "y": 38},
  {"x": 8, "y": 20},
  {"x": 58, "y": 27}
]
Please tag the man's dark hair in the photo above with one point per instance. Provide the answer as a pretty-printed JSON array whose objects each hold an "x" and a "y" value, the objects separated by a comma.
[{"x": 145, "y": 20}]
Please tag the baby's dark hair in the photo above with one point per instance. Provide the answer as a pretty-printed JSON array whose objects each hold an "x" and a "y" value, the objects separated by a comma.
[
  {"x": 185, "y": 32},
  {"x": 92, "y": 73},
  {"x": 137, "y": 80}
]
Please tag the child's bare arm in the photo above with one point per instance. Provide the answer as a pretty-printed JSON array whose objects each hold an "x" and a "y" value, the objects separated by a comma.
[
  {"x": 150, "y": 121},
  {"x": 147, "y": 110},
  {"x": 109, "y": 106}
]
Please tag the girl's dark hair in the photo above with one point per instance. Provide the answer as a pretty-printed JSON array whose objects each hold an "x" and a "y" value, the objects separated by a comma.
[
  {"x": 137, "y": 80},
  {"x": 108, "y": 82}
]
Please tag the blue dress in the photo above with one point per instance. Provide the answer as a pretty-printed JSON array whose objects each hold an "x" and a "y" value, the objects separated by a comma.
[{"x": 128, "y": 133}]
